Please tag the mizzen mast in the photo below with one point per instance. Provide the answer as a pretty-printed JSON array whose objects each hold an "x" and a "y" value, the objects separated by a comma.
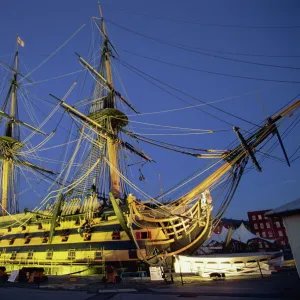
[{"x": 11, "y": 144}]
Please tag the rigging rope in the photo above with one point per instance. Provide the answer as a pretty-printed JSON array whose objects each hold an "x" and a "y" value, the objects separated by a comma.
[
  {"x": 52, "y": 78},
  {"x": 188, "y": 95},
  {"x": 52, "y": 54},
  {"x": 192, "y": 106},
  {"x": 180, "y": 21}
]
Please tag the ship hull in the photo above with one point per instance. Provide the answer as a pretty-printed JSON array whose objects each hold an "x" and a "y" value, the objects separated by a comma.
[
  {"x": 28, "y": 245},
  {"x": 25, "y": 241}
]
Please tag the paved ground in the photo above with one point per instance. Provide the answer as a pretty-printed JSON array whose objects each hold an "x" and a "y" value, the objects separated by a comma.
[
  {"x": 12, "y": 293},
  {"x": 283, "y": 285}
]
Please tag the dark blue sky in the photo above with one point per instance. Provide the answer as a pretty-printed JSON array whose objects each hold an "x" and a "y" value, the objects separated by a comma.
[{"x": 44, "y": 25}]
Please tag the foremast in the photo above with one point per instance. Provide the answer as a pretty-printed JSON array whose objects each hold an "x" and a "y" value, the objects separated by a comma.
[{"x": 10, "y": 132}]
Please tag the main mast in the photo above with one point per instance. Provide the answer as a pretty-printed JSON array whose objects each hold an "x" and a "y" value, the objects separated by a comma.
[
  {"x": 7, "y": 162},
  {"x": 112, "y": 147},
  {"x": 107, "y": 111}
]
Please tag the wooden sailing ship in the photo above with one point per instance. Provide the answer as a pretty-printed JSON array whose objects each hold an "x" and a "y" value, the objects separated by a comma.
[{"x": 78, "y": 228}]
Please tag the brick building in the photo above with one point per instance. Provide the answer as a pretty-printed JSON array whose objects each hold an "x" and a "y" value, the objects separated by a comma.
[
  {"x": 268, "y": 227},
  {"x": 233, "y": 223}
]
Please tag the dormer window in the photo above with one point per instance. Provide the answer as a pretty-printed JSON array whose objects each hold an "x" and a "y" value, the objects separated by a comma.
[
  {"x": 45, "y": 237},
  {"x": 65, "y": 238},
  {"x": 27, "y": 240},
  {"x": 87, "y": 236},
  {"x": 116, "y": 235},
  {"x": 65, "y": 235}
]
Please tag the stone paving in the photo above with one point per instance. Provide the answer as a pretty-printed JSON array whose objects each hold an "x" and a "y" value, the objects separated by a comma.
[{"x": 283, "y": 285}]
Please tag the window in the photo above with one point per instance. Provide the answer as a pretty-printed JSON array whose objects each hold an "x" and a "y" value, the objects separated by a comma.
[
  {"x": 65, "y": 235},
  {"x": 260, "y": 245},
  {"x": 49, "y": 254},
  {"x": 259, "y": 217},
  {"x": 45, "y": 237},
  {"x": 270, "y": 234},
  {"x": 255, "y": 226},
  {"x": 268, "y": 225},
  {"x": 280, "y": 233},
  {"x": 261, "y": 225},
  {"x": 254, "y": 218},
  {"x": 64, "y": 238},
  {"x": 71, "y": 255},
  {"x": 30, "y": 255},
  {"x": 45, "y": 240},
  {"x": 132, "y": 254},
  {"x": 143, "y": 235},
  {"x": 13, "y": 255},
  {"x": 263, "y": 234},
  {"x": 116, "y": 235},
  {"x": 257, "y": 233},
  {"x": 27, "y": 240},
  {"x": 267, "y": 245},
  {"x": 87, "y": 236},
  {"x": 283, "y": 243},
  {"x": 277, "y": 223},
  {"x": 98, "y": 255}
]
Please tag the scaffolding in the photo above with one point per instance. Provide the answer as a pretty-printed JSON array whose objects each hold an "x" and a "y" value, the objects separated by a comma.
[{"x": 91, "y": 261}]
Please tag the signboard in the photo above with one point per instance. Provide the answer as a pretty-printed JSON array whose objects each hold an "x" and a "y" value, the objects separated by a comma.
[
  {"x": 13, "y": 276},
  {"x": 155, "y": 273}
]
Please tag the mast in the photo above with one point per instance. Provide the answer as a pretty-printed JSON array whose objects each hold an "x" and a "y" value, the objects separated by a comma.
[
  {"x": 112, "y": 147},
  {"x": 7, "y": 162}
]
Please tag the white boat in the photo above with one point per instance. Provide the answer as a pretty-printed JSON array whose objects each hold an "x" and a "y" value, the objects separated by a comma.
[{"x": 233, "y": 264}]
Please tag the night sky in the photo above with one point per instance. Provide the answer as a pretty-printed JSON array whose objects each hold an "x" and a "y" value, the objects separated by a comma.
[{"x": 245, "y": 53}]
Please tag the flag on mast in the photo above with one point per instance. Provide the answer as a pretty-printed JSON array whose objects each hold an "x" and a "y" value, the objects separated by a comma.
[{"x": 21, "y": 42}]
